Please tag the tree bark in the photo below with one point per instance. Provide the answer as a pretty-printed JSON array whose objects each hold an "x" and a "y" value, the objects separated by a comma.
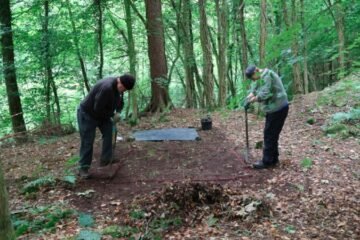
[
  {"x": 6, "y": 228},
  {"x": 47, "y": 63},
  {"x": 262, "y": 33},
  {"x": 306, "y": 74},
  {"x": 207, "y": 69},
  {"x": 160, "y": 99},
  {"x": 244, "y": 43},
  {"x": 189, "y": 63},
  {"x": 221, "y": 11},
  {"x": 12, "y": 90},
  {"x": 340, "y": 30},
  {"x": 297, "y": 81},
  {"x": 99, "y": 35},
  {"x": 132, "y": 58},
  {"x": 298, "y": 84},
  {"x": 77, "y": 48}
]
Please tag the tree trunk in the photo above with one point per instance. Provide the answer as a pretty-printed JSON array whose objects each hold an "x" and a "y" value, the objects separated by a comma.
[
  {"x": 244, "y": 43},
  {"x": 188, "y": 54},
  {"x": 47, "y": 61},
  {"x": 132, "y": 59},
  {"x": 77, "y": 48},
  {"x": 160, "y": 99},
  {"x": 7, "y": 49},
  {"x": 340, "y": 29},
  {"x": 99, "y": 35},
  {"x": 207, "y": 69},
  {"x": 6, "y": 228},
  {"x": 262, "y": 33},
  {"x": 306, "y": 74},
  {"x": 298, "y": 84},
  {"x": 221, "y": 11}
]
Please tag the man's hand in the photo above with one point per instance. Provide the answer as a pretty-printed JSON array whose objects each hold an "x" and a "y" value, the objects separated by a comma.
[
  {"x": 116, "y": 117},
  {"x": 251, "y": 98}
]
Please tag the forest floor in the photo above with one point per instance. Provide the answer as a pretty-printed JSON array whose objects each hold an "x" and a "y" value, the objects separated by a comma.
[{"x": 197, "y": 189}]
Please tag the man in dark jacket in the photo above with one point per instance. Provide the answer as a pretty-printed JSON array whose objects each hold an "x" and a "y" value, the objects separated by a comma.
[
  {"x": 273, "y": 97},
  {"x": 97, "y": 110}
]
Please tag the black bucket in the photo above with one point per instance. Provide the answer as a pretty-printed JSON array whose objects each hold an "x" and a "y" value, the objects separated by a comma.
[{"x": 206, "y": 123}]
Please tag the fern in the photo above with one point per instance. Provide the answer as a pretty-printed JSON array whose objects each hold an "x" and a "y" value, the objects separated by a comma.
[{"x": 36, "y": 184}]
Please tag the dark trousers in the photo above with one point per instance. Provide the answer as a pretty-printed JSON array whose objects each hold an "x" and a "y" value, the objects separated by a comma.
[
  {"x": 87, "y": 129},
  {"x": 273, "y": 126}
]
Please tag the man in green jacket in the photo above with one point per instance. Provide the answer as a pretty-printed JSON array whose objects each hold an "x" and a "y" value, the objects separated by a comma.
[{"x": 274, "y": 99}]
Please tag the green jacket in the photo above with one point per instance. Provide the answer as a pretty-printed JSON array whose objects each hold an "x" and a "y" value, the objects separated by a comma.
[{"x": 271, "y": 93}]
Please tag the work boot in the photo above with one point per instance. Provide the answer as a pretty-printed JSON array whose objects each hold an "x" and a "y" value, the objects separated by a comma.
[
  {"x": 84, "y": 173},
  {"x": 261, "y": 165}
]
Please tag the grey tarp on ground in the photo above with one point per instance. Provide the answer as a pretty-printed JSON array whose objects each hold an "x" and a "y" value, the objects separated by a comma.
[{"x": 167, "y": 134}]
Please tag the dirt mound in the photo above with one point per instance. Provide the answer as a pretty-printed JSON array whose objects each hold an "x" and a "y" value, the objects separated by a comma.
[{"x": 195, "y": 202}]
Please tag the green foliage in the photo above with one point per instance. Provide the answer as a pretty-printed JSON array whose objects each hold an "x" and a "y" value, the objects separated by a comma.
[
  {"x": 39, "y": 219},
  {"x": 345, "y": 92},
  {"x": 36, "y": 184},
  {"x": 119, "y": 231},
  {"x": 161, "y": 224},
  {"x": 86, "y": 220},
  {"x": 137, "y": 214},
  {"x": 211, "y": 221},
  {"x": 310, "y": 121},
  {"x": 70, "y": 179},
  {"x": 290, "y": 229},
  {"x": 306, "y": 163},
  {"x": 344, "y": 124},
  {"x": 237, "y": 102},
  {"x": 88, "y": 235}
]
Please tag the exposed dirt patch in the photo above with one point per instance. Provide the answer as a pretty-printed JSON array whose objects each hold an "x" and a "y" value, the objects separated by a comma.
[{"x": 146, "y": 166}]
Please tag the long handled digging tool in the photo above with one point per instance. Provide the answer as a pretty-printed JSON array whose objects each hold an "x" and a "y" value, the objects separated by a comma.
[
  {"x": 114, "y": 138},
  {"x": 247, "y": 150}
]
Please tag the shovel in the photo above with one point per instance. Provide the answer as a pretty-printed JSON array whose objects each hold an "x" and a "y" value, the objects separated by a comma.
[
  {"x": 247, "y": 150},
  {"x": 114, "y": 138}
]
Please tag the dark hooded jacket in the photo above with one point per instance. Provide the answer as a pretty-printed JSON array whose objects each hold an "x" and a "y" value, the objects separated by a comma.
[{"x": 103, "y": 99}]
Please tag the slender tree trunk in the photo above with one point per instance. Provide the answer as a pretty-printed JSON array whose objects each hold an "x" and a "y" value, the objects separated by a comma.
[
  {"x": 47, "y": 60},
  {"x": 277, "y": 29},
  {"x": 9, "y": 71},
  {"x": 6, "y": 228},
  {"x": 262, "y": 33},
  {"x": 306, "y": 74},
  {"x": 244, "y": 43},
  {"x": 160, "y": 99},
  {"x": 77, "y": 48},
  {"x": 298, "y": 84},
  {"x": 221, "y": 10},
  {"x": 132, "y": 58},
  {"x": 99, "y": 35},
  {"x": 340, "y": 29},
  {"x": 207, "y": 69}
]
